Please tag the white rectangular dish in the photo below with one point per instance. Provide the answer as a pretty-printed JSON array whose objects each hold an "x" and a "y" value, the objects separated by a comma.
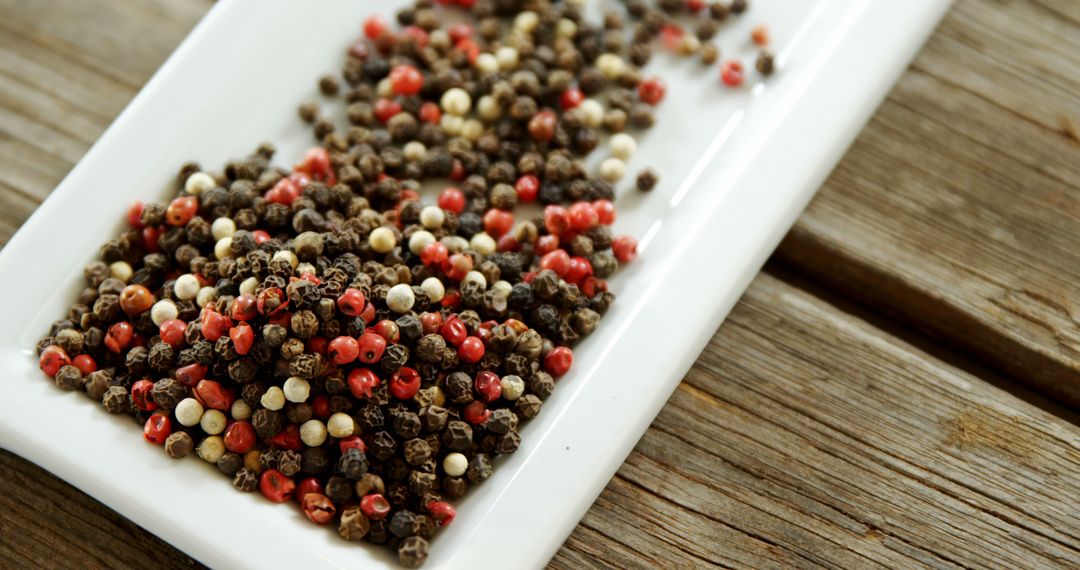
[{"x": 737, "y": 167}]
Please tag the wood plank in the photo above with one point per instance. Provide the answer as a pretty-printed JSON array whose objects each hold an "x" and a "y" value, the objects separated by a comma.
[
  {"x": 819, "y": 440},
  {"x": 958, "y": 207}
]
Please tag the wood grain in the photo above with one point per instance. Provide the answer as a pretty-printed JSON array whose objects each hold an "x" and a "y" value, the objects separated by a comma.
[
  {"x": 804, "y": 436},
  {"x": 958, "y": 208}
]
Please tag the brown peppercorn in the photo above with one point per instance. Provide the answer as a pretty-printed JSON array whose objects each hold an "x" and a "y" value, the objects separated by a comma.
[
  {"x": 709, "y": 54},
  {"x": 96, "y": 383},
  {"x": 458, "y": 436},
  {"x": 765, "y": 63},
  {"x": 412, "y": 552},
  {"x": 370, "y": 483},
  {"x": 116, "y": 400},
  {"x": 354, "y": 525},
  {"x": 329, "y": 85},
  {"x": 246, "y": 480},
  {"x": 647, "y": 179},
  {"x": 69, "y": 378},
  {"x": 230, "y": 463},
  {"x": 178, "y": 444},
  {"x": 738, "y": 6}
]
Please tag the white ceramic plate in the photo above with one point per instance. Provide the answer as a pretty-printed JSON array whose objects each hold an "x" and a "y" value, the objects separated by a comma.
[{"x": 737, "y": 167}]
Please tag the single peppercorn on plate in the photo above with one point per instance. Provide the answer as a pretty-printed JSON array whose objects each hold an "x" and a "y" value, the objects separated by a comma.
[{"x": 736, "y": 152}]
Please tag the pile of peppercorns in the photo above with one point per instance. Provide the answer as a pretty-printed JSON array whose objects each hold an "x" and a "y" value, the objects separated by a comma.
[{"x": 322, "y": 336}]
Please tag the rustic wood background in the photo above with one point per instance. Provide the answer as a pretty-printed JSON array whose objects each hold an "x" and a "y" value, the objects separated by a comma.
[{"x": 897, "y": 389}]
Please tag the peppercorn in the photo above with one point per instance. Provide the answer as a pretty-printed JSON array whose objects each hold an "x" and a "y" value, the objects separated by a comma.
[
  {"x": 764, "y": 63},
  {"x": 178, "y": 444}
]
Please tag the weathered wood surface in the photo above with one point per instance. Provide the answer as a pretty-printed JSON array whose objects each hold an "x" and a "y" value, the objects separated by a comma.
[
  {"x": 824, "y": 441},
  {"x": 958, "y": 208}
]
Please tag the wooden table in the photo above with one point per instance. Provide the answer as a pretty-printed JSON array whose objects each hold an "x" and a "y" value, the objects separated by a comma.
[{"x": 898, "y": 387}]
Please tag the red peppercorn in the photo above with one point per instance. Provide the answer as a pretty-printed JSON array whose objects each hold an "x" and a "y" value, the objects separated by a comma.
[
  {"x": 275, "y": 486},
  {"x": 351, "y": 442},
  {"x": 318, "y": 508},
  {"x": 453, "y": 330},
  {"x": 475, "y": 413},
  {"x": 374, "y": 506},
  {"x": 316, "y": 164},
  {"x": 191, "y": 374},
  {"x": 418, "y": 34},
  {"x": 671, "y": 36},
  {"x": 387, "y": 329},
  {"x": 320, "y": 405},
  {"x": 760, "y": 35},
  {"x": 558, "y": 361},
  {"x": 527, "y": 188},
  {"x": 214, "y": 324},
  {"x": 472, "y": 51},
  {"x": 288, "y": 438},
  {"x": 54, "y": 357},
  {"x": 368, "y": 314},
  {"x": 471, "y": 350},
  {"x": 172, "y": 332},
  {"x": 150, "y": 237},
  {"x": 452, "y": 199},
  {"x": 695, "y": 5},
  {"x": 488, "y": 386},
  {"x": 459, "y": 32},
  {"x": 583, "y": 216},
  {"x": 571, "y": 98},
  {"x": 546, "y": 244},
  {"x": 458, "y": 266},
  {"x": 556, "y": 219},
  {"x": 652, "y": 90},
  {"x": 385, "y": 109},
  {"x": 318, "y": 345},
  {"x": 624, "y": 248},
  {"x": 362, "y": 381},
  {"x": 557, "y": 261},
  {"x": 157, "y": 429},
  {"x": 134, "y": 215},
  {"x": 441, "y": 512},
  {"x": 242, "y": 338},
  {"x": 431, "y": 322},
  {"x": 374, "y": 27},
  {"x": 260, "y": 236},
  {"x": 731, "y": 72},
  {"x": 240, "y": 437},
  {"x": 405, "y": 383},
  {"x": 507, "y": 243},
  {"x": 498, "y": 222},
  {"x": 140, "y": 395},
  {"x": 430, "y": 113},
  {"x": 213, "y": 395},
  {"x": 580, "y": 268},
  {"x": 309, "y": 485},
  {"x": 119, "y": 336},
  {"x": 370, "y": 347},
  {"x": 284, "y": 192},
  {"x": 605, "y": 212},
  {"x": 451, "y": 299},
  {"x": 351, "y": 302},
  {"x": 85, "y": 363},
  {"x": 181, "y": 210},
  {"x": 434, "y": 253},
  {"x": 343, "y": 349},
  {"x": 406, "y": 80},
  {"x": 270, "y": 301}
]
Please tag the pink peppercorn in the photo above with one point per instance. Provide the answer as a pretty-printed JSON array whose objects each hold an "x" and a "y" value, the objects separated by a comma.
[
  {"x": 471, "y": 350},
  {"x": 140, "y": 395},
  {"x": 375, "y": 27},
  {"x": 652, "y": 90},
  {"x": 557, "y": 261},
  {"x": 527, "y": 188},
  {"x": 181, "y": 210},
  {"x": 134, "y": 215},
  {"x": 488, "y": 386},
  {"x": 343, "y": 349},
  {"x": 318, "y": 508},
  {"x": 275, "y": 486},
  {"x": 362, "y": 381},
  {"x": 157, "y": 429},
  {"x": 558, "y": 361},
  {"x": 452, "y": 199},
  {"x": 172, "y": 332},
  {"x": 213, "y": 395},
  {"x": 431, "y": 322},
  {"x": 441, "y": 512},
  {"x": 375, "y": 506},
  {"x": 624, "y": 248},
  {"x": 571, "y": 98},
  {"x": 406, "y": 80},
  {"x": 119, "y": 336},
  {"x": 85, "y": 363},
  {"x": 351, "y": 302},
  {"x": 580, "y": 268},
  {"x": 453, "y": 330},
  {"x": 498, "y": 222},
  {"x": 732, "y": 73},
  {"x": 240, "y": 437},
  {"x": 605, "y": 212},
  {"x": 242, "y": 338},
  {"x": 583, "y": 216},
  {"x": 387, "y": 329},
  {"x": 556, "y": 219},
  {"x": 52, "y": 359},
  {"x": 475, "y": 413},
  {"x": 434, "y": 254},
  {"x": 457, "y": 266},
  {"x": 405, "y": 383},
  {"x": 370, "y": 347},
  {"x": 309, "y": 485}
]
